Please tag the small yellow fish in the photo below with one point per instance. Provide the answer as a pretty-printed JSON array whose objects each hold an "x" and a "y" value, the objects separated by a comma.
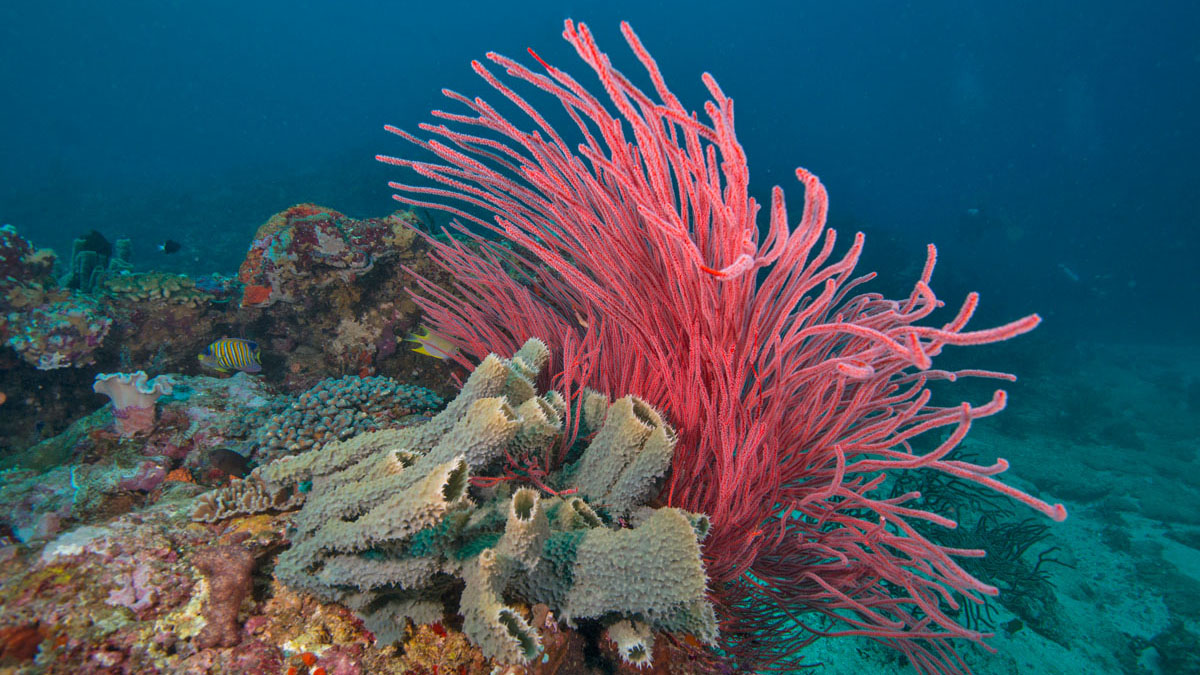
[
  {"x": 229, "y": 354},
  {"x": 433, "y": 344}
]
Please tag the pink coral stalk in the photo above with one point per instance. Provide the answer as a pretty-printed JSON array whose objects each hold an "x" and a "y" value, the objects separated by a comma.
[
  {"x": 636, "y": 254},
  {"x": 133, "y": 397}
]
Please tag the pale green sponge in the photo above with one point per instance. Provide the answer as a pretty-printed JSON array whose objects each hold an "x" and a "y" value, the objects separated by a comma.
[{"x": 391, "y": 521}]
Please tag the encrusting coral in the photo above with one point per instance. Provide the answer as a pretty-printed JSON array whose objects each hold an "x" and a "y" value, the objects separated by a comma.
[
  {"x": 243, "y": 498},
  {"x": 391, "y": 518},
  {"x": 333, "y": 409},
  {"x": 147, "y": 286},
  {"x": 313, "y": 245},
  {"x": 227, "y": 568}
]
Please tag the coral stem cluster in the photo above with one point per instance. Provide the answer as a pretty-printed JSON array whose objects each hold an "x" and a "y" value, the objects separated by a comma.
[{"x": 634, "y": 250}]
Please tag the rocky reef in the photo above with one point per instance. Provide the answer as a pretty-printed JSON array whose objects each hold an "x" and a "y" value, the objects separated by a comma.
[
  {"x": 309, "y": 245},
  {"x": 335, "y": 304},
  {"x": 342, "y": 280},
  {"x": 354, "y": 508},
  {"x": 48, "y": 327}
]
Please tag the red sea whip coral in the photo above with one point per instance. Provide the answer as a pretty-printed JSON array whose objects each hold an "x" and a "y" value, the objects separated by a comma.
[{"x": 638, "y": 259}]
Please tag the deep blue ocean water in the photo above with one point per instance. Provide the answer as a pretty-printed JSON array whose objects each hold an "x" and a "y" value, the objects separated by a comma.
[{"x": 1048, "y": 148}]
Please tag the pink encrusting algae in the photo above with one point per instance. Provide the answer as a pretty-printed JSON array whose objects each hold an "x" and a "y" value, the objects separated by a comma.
[{"x": 638, "y": 258}]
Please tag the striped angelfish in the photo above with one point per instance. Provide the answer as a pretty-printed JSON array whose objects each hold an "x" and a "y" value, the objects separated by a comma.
[{"x": 229, "y": 354}]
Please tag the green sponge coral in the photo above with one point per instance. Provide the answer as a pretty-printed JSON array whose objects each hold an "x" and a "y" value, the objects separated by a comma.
[{"x": 391, "y": 519}]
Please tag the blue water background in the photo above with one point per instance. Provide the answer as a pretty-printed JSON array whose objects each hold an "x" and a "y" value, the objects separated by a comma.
[{"x": 1048, "y": 148}]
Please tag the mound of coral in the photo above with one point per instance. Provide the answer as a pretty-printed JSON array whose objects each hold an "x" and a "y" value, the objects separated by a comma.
[
  {"x": 323, "y": 290},
  {"x": 49, "y": 327},
  {"x": 310, "y": 245},
  {"x": 333, "y": 409}
]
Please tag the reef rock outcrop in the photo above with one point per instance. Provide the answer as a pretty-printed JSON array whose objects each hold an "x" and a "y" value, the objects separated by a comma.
[{"x": 310, "y": 245}]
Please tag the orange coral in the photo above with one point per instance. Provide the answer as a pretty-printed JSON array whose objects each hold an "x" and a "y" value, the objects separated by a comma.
[
  {"x": 251, "y": 266},
  {"x": 255, "y": 295},
  {"x": 180, "y": 475},
  {"x": 21, "y": 642}
]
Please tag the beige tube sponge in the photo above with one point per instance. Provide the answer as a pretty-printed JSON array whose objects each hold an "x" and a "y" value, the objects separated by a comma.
[
  {"x": 576, "y": 515},
  {"x": 499, "y": 631},
  {"x": 632, "y": 450},
  {"x": 390, "y": 517},
  {"x": 351, "y": 492},
  {"x": 333, "y": 457},
  {"x": 534, "y": 355},
  {"x": 482, "y": 435},
  {"x": 653, "y": 571},
  {"x": 526, "y": 530},
  {"x": 486, "y": 381},
  {"x": 369, "y": 575},
  {"x": 422, "y": 505},
  {"x": 541, "y": 425},
  {"x": 594, "y": 406},
  {"x": 635, "y": 642}
]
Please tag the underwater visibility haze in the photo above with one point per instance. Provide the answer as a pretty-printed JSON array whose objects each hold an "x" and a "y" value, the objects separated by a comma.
[{"x": 472, "y": 338}]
